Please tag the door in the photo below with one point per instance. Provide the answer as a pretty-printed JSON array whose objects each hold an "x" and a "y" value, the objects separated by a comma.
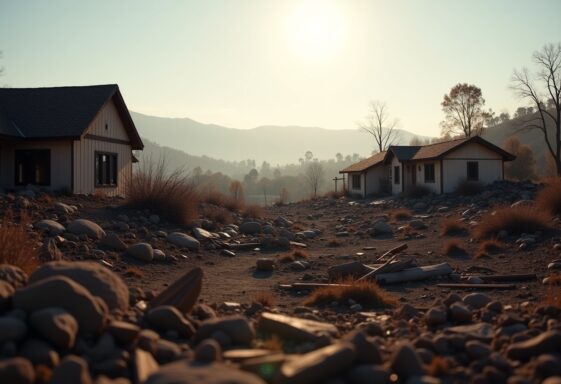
[{"x": 33, "y": 166}]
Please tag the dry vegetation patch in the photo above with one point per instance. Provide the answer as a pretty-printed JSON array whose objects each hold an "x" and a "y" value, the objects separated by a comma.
[
  {"x": 290, "y": 257},
  {"x": 452, "y": 227},
  {"x": 333, "y": 243},
  {"x": 16, "y": 246},
  {"x": 217, "y": 214},
  {"x": 253, "y": 211},
  {"x": 401, "y": 214},
  {"x": 490, "y": 247},
  {"x": 454, "y": 247},
  {"x": 134, "y": 272},
  {"x": 363, "y": 292},
  {"x": 515, "y": 221},
  {"x": 265, "y": 298},
  {"x": 549, "y": 198}
]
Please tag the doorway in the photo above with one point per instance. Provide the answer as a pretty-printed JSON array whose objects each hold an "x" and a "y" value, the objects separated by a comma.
[{"x": 33, "y": 166}]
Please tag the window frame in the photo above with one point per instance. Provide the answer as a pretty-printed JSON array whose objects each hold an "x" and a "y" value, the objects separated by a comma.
[
  {"x": 356, "y": 182},
  {"x": 113, "y": 166},
  {"x": 396, "y": 174},
  {"x": 431, "y": 180},
  {"x": 468, "y": 173}
]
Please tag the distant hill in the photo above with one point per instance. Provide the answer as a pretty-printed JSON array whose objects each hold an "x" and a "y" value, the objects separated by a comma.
[{"x": 275, "y": 144}]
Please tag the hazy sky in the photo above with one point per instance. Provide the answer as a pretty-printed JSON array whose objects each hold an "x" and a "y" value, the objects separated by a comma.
[{"x": 244, "y": 63}]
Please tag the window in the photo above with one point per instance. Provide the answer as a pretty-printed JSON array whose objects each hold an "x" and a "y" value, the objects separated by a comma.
[
  {"x": 105, "y": 169},
  {"x": 429, "y": 173},
  {"x": 33, "y": 166},
  {"x": 356, "y": 182},
  {"x": 473, "y": 171},
  {"x": 396, "y": 174}
]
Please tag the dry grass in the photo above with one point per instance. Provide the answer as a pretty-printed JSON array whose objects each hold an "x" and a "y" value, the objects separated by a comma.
[
  {"x": 290, "y": 257},
  {"x": 217, "y": 214},
  {"x": 364, "y": 292},
  {"x": 335, "y": 195},
  {"x": 211, "y": 196},
  {"x": 469, "y": 188},
  {"x": 134, "y": 272},
  {"x": 452, "y": 227},
  {"x": 515, "y": 221},
  {"x": 453, "y": 247},
  {"x": 232, "y": 204},
  {"x": 333, "y": 243},
  {"x": 549, "y": 198},
  {"x": 253, "y": 211},
  {"x": 489, "y": 247},
  {"x": 265, "y": 298},
  {"x": 16, "y": 246},
  {"x": 401, "y": 214},
  {"x": 170, "y": 195}
]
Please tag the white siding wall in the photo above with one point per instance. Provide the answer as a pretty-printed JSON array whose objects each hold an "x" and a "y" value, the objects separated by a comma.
[
  {"x": 396, "y": 188},
  {"x": 373, "y": 176},
  {"x": 60, "y": 162},
  {"x": 84, "y": 153},
  {"x": 357, "y": 191},
  {"x": 455, "y": 171},
  {"x": 420, "y": 169}
]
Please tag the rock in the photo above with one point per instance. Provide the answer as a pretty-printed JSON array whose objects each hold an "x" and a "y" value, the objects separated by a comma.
[
  {"x": 166, "y": 317},
  {"x": 6, "y": 293},
  {"x": 265, "y": 264},
  {"x": 477, "y": 350},
  {"x": 144, "y": 365},
  {"x": 476, "y": 300},
  {"x": 50, "y": 252},
  {"x": 435, "y": 316},
  {"x": 141, "y": 251},
  {"x": 56, "y": 326},
  {"x": 406, "y": 312},
  {"x": 318, "y": 365},
  {"x": 201, "y": 234},
  {"x": 97, "y": 279},
  {"x": 154, "y": 219},
  {"x": 417, "y": 224},
  {"x": 39, "y": 353},
  {"x": 460, "y": 313},
  {"x": 11, "y": 329},
  {"x": 166, "y": 351},
  {"x": 159, "y": 255},
  {"x": 547, "y": 342},
  {"x": 183, "y": 292},
  {"x": 52, "y": 227},
  {"x": 366, "y": 351},
  {"x": 71, "y": 370},
  {"x": 238, "y": 328},
  {"x": 381, "y": 227},
  {"x": 123, "y": 332},
  {"x": 208, "y": 351},
  {"x": 183, "y": 240},
  {"x": 13, "y": 275},
  {"x": 547, "y": 365},
  {"x": 185, "y": 372},
  {"x": 367, "y": 374},
  {"x": 86, "y": 227},
  {"x": 60, "y": 291},
  {"x": 16, "y": 371},
  {"x": 406, "y": 363},
  {"x": 250, "y": 228},
  {"x": 294, "y": 328},
  {"x": 480, "y": 331},
  {"x": 551, "y": 380},
  {"x": 114, "y": 242},
  {"x": 63, "y": 208}
]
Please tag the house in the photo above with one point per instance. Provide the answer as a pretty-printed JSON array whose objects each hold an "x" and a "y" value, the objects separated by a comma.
[
  {"x": 77, "y": 139},
  {"x": 439, "y": 167}
]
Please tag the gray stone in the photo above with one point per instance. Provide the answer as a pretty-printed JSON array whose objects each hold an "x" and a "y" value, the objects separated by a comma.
[
  {"x": 11, "y": 329},
  {"x": 123, "y": 332},
  {"x": 186, "y": 372},
  {"x": 295, "y": 328},
  {"x": 55, "y": 325},
  {"x": 476, "y": 300},
  {"x": 60, "y": 291},
  {"x": 366, "y": 351},
  {"x": 183, "y": 240},
  {"x": 51, "y": 226},
  {"x": 406, "y": 363},
  {"x": 113, "y": 242},
  {"x": 208, "y": 351},
  {"x": 16, "y": 371},
  {"x": 238, "y": 328},
  {"x": 97, "y": 279},
  {"x": 547, "y": 342},
  {"x": 71, "y": 370},
  {"x": 141, "y": 251},
  {"x": 250, "y": 227},
  {"x": 86, "y": 227},
  {"x": 318, "y": 365},
  {"x": 166, "y": 317},
  {"x": 144, "y": 365},
  {"x": 159, "y": 255}
]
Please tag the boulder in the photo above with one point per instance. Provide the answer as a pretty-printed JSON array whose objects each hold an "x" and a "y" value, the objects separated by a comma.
[
  {"x": 16, "y": 371},
  {"x": 97, "y": 279},
  {"x": 183, "y": 240},
  {"x": 141, "y": 251},
  {"x": 71, "y": 370},
  {"x": 250, "y": 228},
  {"x": 55, "y": 325},
  {"x": 60, "y": 291},
  {"x": 186, "y": 372},
  {"x": 238, "y": 328},
  {"x": 52, "y": 227},
  {"x": 166, "y": 317},
  {"x": 86, "y": 227},
  {"x": 114, "y": 242},
  {"x": 546, "y": 342}
]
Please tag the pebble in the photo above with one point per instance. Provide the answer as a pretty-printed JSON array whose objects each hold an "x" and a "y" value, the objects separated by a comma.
[
  {"x": 166, "y": 317},
  {"x": 55, "y": 325},
  {"x": 476, "y": 300}
]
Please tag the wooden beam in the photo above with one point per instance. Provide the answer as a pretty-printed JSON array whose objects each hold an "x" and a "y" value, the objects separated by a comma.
[{"x": 414, "y": 274}]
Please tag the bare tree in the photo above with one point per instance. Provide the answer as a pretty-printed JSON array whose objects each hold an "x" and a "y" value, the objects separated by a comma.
[
  {"x": 463, "y": 109},
  {"x": 314, "y": 176},
  {"x": 380, "y": 126},
  {"x": 543, "y": 90}
]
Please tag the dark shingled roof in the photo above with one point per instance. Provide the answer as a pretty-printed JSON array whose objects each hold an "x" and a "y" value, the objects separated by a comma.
[
  {"x": 365, "y": 164},
  {"x": 59, "y": 112}
]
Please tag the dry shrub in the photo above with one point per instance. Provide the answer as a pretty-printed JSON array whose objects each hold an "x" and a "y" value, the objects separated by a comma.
[
  {"x": 300, "y": 254},
  {"x": 290, "y": 257},
  {"x": 469, "y": 188},
  {"x": 170, "y": 195},
  {"x": 134, "y": 272},
  {"x": 401, "y": 214},
  {"x": 217, "y": 214},
  {"x": 549, "y": 198},
  {"x": 453, "y": 247},
  {"x": 333, "y": 243},
  {"x": 211, "y": 196},
  {"x": 265, "y": 298},
  {"x": 515, "y": 221},
  {"x": 491, "y": 246},
  {"x": 232, "y": 204},
  {"x": 16, "y": 246},
  {"x": 452, "y": 227},
  {"x": 253, "y": 211},
  {"x": 364, "y": 292}
]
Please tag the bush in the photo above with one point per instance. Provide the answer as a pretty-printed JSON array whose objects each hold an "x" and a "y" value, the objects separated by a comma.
[
  {"x": 453, "y": 248},
  {"x": 488, "y": 247},
  {"x": 16, "y": 246},
  {"x": 452, "y": 227},
  {"x": 170, "y": 195},
  {"x": 363, "y": 292},
  {"x": 217, "y": 214},
  {"x": 469, "y": 188},
  {"x": 401, "y": 214},
  {"x": 416, "y": 191},
  {"x": 515, "y": 221},
  {"x": 549, "y": 198},
  {"x": 253, "y": 211}
]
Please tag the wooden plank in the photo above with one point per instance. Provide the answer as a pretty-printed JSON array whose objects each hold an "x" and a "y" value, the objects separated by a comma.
[
  {"x": 414, "y": 274},
  {"x": 393, "y": 251},
  {"x": 513, "y": 277},
  {"x": 242, "y": 246},
  {"x": 477, "y": 286},
  {"x": 391, "y": 265}
]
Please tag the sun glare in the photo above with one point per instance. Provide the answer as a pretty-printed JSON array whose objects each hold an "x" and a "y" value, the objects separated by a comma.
[{"x": 316, "y": 30}]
